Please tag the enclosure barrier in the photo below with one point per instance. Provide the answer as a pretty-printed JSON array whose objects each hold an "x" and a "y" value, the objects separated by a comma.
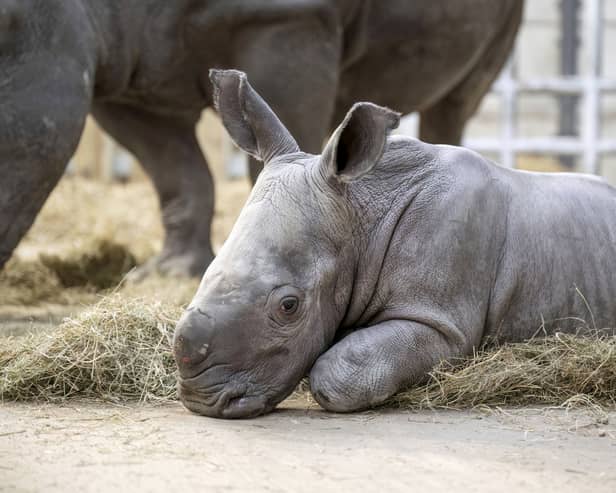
[{"x": 589, "y": 145}]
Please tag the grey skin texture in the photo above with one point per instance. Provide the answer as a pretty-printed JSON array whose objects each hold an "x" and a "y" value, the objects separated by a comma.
[
  {"x": 367, "y": 265},
  {"x": 141, "y": 68}
]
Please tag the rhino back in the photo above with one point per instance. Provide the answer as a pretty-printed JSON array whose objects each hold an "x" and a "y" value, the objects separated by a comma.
[
  {"x": 555, "y": 268},
  {"x": 408, "y": 55},
  {"x": 476, "y": 249}
]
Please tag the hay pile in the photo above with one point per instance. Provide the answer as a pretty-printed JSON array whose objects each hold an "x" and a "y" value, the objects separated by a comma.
[
  {"x": 101, "y": 265},
  {"x": 555, "y": 370},
  {"x": 117, "y": 350},
  {"x": 79, "y": 209},
  {"x": 121, "y": 350},
  {"x": 27, "y": 283},
  {"x": 98, "y": 265}
]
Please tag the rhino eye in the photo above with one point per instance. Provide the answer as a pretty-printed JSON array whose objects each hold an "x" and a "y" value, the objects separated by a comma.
[
  {"x": 289, "y": 304},
  {"x": 285, "y": 304}
]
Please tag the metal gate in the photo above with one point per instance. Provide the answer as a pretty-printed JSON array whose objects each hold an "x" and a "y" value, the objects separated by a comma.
[{"x": 590, "y": 87}]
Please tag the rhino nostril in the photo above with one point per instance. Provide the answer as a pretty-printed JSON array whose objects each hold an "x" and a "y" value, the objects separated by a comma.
[
  {"x": 192, "y": 340},
  {"x": 202, "y": 352}
]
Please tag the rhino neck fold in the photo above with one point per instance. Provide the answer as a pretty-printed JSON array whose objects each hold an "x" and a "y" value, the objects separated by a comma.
[{"x": 402, "y": 172}]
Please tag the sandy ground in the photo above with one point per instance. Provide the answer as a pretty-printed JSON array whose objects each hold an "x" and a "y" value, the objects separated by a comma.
[{"x": 93, "y": 447}]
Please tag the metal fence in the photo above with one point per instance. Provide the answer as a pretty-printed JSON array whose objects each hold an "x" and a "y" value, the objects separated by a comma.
[{"x": 590, "y": 86}]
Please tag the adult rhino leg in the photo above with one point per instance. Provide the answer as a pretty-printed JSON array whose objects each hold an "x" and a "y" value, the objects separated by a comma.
[
  {"x": 309, "y": 124},
  {"x": 309, "y": 131},
  {"x": 294, "y": 67},
  {"x": 168, "y": 150},
  {"x": 22, "y": 195},
  {"x": 443, "y": 122},
  {"x": 371, "y": 364},
  {"x": 38, "y": 135}
]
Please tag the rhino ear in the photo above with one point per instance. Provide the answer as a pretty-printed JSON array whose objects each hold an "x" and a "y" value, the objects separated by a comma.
[
  {"x": 358, "y": 143},
  {"x": 251, "y": 123}
]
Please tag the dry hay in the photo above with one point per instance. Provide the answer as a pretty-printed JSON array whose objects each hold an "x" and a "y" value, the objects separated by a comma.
[
  {"x": 117, "y": 350},
  {"x": 27, "y": 282},
  {"x": 81, "y": 209},
  {"x": 558, "y": 370},
  {"x": 100, "y": 265},
  {"x": 121, "y": 350}
]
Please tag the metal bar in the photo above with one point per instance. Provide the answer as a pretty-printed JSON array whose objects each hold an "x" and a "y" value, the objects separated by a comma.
[
  {"x": 567, "y": 85},
  {"x": 236, "y": 160},
  {"x": 606, "y": 146},
  {"x": 591, "y": 118},
  {"x": 569, "y": 42},
  {"x": 108, "y": 152},
  {"x": 591, "y": 86},
  {"x": 541, "y": 145}
]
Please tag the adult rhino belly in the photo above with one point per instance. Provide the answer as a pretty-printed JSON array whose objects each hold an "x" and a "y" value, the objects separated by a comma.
[
  {"x": 556, "y": 271},
  {"x": 414, "y": 54}
]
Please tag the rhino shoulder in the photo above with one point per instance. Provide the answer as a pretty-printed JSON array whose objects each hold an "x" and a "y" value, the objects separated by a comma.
[{"x": 443, "y": 169}]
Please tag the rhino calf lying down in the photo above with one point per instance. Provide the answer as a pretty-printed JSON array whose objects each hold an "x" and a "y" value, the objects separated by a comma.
[{"x": 370, "y": 263}]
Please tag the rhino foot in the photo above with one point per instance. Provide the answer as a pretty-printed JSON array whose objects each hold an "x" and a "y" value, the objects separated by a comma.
[
  {"x": 349, "y": 378},
  {"x": 185, "y": 265},
  {"x": 370, "y": 365}
]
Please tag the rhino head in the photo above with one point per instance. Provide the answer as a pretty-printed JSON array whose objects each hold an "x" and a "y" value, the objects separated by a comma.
[{"x": 273, "y": 299}]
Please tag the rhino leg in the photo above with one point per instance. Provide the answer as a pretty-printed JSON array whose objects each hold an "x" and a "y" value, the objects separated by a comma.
[
  {"x": 308, "y": 128},
  {"x": 168, "y": 150},
  {"x": 444, "y": 121},
  {"x": 22, "y": 195},
  {"x": 307, "y": 65},
  {"x": 371, "y": 364}
]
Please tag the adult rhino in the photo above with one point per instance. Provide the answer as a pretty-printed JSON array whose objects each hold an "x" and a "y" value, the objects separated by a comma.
[
  {"x": 141, "y": 67},
  {"x": 370, "y": 263}
]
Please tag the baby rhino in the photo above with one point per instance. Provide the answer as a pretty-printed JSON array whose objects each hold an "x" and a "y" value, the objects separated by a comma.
[{"x": 367, "y": 265}]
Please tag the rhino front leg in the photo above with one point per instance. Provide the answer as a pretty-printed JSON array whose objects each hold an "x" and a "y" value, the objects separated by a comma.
[
  {"x": 370, "y": 365},
  {"x": 168, "y": 150}
]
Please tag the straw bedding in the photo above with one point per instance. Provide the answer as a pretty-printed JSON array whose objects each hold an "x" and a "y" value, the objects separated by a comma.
[
  {"x": 117, "y": 350},
  {"x": 98, "y": 265},
  {"x": 121, "y": 350}
]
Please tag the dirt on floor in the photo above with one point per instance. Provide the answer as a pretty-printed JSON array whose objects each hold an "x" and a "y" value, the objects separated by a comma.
[{"x": 87, "y": 447}]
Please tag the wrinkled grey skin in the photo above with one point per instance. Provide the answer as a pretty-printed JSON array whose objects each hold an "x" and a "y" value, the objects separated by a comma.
[
  {"x": 399, "y": 253},
  {"x": 141, "y": 67}
]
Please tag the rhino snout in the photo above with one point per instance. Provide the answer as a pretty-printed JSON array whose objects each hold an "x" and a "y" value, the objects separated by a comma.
[{"x": 192, "y": 341}]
